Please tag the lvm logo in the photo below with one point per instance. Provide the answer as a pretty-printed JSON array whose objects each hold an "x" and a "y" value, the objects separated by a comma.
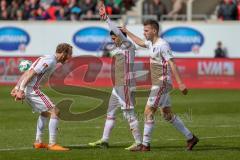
[{"x": 216, "y": 68}]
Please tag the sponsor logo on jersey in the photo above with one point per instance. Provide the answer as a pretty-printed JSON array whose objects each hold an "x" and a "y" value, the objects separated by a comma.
[
  {"x": 183, "y": 39},
  {"x": 13, "y": 38},
  {"x": 91, "y": 38}
]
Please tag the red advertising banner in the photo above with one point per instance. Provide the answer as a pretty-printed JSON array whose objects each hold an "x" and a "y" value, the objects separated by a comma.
[
  {"x": 196, "y": 73},
  {"x": 210, "y": 73}
]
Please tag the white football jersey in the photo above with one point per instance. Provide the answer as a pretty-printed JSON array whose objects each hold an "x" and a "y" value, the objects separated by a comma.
[
  {"x": 44, "y": 66},
  {"x": 124, "y": 59},
  {"x": 160, "y": 54}
]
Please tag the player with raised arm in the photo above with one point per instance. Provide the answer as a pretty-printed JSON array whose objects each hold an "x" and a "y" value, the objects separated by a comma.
[
  {"x": 28, "y": 89},
  {"x": 122, "y": 94},
  {"x": 161, "y": 65}
]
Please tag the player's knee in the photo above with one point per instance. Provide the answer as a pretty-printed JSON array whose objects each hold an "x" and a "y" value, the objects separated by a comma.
[
  {"x": 110, "y": 117},
  {"x": 129, "y": 115},
  {"x": 55, "y": 112},
  {"x": 149, "y": 114}
]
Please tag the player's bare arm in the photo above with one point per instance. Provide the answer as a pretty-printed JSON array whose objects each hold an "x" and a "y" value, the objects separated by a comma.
[
  {"x": 16, "y": 88},
  {"x": 135, "y": 38},
  {"x": 25, "y": 80},
  {"x": 112, "y": 26},
  {"x": 175, "y": 72}
]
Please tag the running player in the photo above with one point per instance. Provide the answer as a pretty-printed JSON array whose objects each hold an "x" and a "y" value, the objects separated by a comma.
[
  {"x": 122, "y": 94},
  {"x": 161, "y": 64},
  {"x": 28, "y": 88}
]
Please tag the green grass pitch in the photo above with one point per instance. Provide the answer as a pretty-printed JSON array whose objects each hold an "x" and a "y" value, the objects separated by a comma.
[{"x": 213, "y": 115}]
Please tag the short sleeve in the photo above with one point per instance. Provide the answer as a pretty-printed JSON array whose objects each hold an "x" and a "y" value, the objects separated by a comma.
[
  {"x": 41, "y": 66},
  {"x": 147, "y": 43},
  {"x": 166, "y": 52}
]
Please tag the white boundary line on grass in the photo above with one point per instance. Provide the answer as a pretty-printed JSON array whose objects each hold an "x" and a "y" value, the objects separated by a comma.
[{"x": 122, "y": 142}]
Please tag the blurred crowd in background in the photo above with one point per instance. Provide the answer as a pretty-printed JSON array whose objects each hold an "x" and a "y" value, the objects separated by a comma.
[
  {"x": 87, "y": 9},
  {"x": 225, "y": 9},
  {"x": 59, "y": 9}
]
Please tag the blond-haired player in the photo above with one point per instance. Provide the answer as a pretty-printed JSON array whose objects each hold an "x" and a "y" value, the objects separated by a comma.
[{"x": 28, "y": 89}]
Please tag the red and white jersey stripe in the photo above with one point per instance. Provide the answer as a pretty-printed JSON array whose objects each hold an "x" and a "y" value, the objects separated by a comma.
[
  {"x": 160, "y": 54},
  {"x": 44, "y": 66}
]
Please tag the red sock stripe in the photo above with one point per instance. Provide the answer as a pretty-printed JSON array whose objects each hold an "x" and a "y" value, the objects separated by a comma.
[{"x": 110, "y": 118}]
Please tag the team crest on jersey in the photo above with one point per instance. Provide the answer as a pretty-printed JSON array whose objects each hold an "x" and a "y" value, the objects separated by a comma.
[{"x": 45, "y": 65}]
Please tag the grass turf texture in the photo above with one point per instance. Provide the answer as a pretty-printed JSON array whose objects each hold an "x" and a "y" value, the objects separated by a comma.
[{"x": 213, "y": 115}]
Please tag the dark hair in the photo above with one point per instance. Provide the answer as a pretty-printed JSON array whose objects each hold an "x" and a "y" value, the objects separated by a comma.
[
  {"x": 112, "y": 33},
  {"x": 152, "y": 23},
  {"x": 64, "y": 48}
]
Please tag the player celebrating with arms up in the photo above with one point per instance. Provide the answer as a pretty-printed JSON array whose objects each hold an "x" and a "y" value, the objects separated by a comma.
[
  {"x": 122, "y": 95},
  {"x": 161, "y": 64},
  {"x": 28, "y": 88}
]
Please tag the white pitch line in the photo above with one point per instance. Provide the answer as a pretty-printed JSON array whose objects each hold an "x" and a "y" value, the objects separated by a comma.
[
  {"x": 122, "y": 142},
  {"x": 72, "y": 145},
  {"x": 16, "y": 149}
]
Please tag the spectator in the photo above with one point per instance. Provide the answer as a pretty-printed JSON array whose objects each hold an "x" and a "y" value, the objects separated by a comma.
[
  {"x": 112, "y": 7},
  {"x": 3, "y": 5},
  {"x": 19, "y": 15},
  {"x": 61, "y": 14},
  {"x": 127, "y": 4},
  {"x": 41, "y": 14},
  {"x": 154, "y": 7},
  {"x": 74, "y": 10},
  {"x": 75, "y": 13},
  {"x": 220, "y": 52},
  {"x": 34, "y": 4},
  {"x": 26, "y": 9},
  {"x": 227, "y": 10},
  {"x": 178, "y": 7},
  {"x": 57, "y": 9},
  {"x": 4, "y": 15},
  {"x": 52, "y": 11},
  {"x": 87, "y": 5},
  {"x": 13, "y": 9}
]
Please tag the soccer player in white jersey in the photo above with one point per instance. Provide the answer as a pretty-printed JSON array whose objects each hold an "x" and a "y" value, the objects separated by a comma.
[
  {"x": 28, "y": 88},
  {"x": 122, "y": 94},
  {"x": 161, "y": 64}
]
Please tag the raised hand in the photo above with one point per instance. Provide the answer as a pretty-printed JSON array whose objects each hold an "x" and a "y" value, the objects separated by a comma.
[{"x": 102, "y": 11}]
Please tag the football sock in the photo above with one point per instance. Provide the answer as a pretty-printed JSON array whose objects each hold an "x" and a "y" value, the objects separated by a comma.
[
  {"x": 109, "y": 124},
  {"x": 179, "y": 125},
  {"x": 148, "y": 128},
  {"x": 135, "y": 131},
  {"x": 53, "y": 123},
  {"x": 40, "y": 128}
]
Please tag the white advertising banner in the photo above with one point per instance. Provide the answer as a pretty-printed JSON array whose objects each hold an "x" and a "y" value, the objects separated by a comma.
[{"x": 89, "y": 38}]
